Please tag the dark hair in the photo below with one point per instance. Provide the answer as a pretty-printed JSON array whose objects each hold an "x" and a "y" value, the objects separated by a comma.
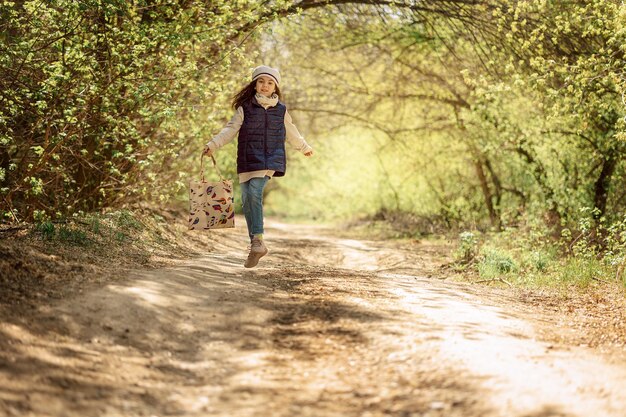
[{"x": 247, "y": 93}]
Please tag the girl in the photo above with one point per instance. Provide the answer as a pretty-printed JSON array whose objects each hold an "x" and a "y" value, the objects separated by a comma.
[{"x": 263, "y": 124}]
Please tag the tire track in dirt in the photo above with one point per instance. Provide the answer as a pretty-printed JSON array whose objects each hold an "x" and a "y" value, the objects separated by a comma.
[{"x": 324, "y": 327}]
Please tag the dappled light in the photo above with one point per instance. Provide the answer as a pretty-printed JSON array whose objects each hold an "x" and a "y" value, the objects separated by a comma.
[
  {"x": 503, "y": 349},
  {"x": 316, "y": 208},
  {"x": 297, "y": 334}
]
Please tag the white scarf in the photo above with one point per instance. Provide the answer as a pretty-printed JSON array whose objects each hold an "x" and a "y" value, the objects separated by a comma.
[{"x": 267, "y": 101}]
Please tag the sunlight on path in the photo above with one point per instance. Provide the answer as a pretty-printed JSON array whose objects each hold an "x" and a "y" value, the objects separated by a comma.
[
  {"x": 522, "y": 375},
  {"x": 319, "y": 329},
  {"x": 519, "y": 374},
  {"x": 357, "y": 255}
]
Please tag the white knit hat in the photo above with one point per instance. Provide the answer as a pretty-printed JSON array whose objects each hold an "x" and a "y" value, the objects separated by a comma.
[{"x": 265, "y": 70}]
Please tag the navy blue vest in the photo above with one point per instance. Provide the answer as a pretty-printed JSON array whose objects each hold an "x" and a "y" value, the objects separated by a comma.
[{"x": 261, "y": 143}]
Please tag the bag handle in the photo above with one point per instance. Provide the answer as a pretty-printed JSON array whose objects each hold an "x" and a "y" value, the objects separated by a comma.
[{"x": 214, "y": 164}]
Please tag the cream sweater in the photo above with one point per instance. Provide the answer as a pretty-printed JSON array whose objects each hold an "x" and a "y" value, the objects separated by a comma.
[{"x": 229, "y": 132}]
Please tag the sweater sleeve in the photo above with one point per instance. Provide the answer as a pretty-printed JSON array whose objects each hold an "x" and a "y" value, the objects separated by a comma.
[
  {"x": 228, "y": 133},
  {"x": 294, "y": 137}
]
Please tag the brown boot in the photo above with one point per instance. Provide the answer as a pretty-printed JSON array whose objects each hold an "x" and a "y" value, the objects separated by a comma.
[{"x": 257, "y": 251}]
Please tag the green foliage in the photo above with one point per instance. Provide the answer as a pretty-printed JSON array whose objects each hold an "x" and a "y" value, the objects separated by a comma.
[
  {"x": 468, "y": 247},
  {"x": 125, "y": 220},
  {"x": 63, "y": 234},
  {"x": 88, "y": 229},
  {"x": 524, "y": 258},
  {"x": 573, "y": 58},
  {"x": 495, "y": 262},
  {"x": 46, "y": 230},
  {"x": 120, "y": 236},
  {"x": 539, "y": 260},
  {"x": 72, "y": 236},
  {"x": 517, "y": 127},
  {"x": 95, "y": 225},
  {"x": 106, "y": 101},
  {"x": 581, "y": 271}
]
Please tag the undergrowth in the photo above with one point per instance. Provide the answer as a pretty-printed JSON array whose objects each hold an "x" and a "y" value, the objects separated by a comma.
[
  {"x": 96, "y": 228},
  {"x": 590, "y": 252}
]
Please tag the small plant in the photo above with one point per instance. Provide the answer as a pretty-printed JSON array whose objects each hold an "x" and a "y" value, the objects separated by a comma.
[
  {"x": 74, "y": 236},
  {"x": 120, "y": 237},
  {"x": 468, "y": 247},
  {"x": 95, "y": 225},
  {"x": 46, "y": 230},
  {"x": 581, "y": 271},
  {"x": 540, "y": 260},
  {"x": 125, "y": 220},
  {"x": 496, "y": 262}
]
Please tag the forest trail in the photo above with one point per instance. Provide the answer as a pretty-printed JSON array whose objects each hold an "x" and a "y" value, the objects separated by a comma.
[{"x": 325, "y": 326}]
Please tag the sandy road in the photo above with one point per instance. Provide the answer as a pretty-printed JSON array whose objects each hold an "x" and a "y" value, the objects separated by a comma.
[{"x": 324, "y": 327}]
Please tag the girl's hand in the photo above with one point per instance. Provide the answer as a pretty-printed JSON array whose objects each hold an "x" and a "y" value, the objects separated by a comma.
[
  {"x": 207, "y": 151},
  {"x": 309, "y": 153}
]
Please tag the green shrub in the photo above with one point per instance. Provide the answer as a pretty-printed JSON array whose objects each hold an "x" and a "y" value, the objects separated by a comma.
[
  {"x": 45, "y": 230},
  {"x": 540, "y": 259},
  {"x": 468, "y": 247},
  {"x": 72, "y": 235},
  {"x": 95, "y": 225},
  {"x": 495, "y": 262},
  {"x": 581, "y": 271},
  {"x": 125, "y": 220}
]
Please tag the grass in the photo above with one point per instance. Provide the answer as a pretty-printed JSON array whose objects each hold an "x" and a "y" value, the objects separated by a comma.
[
  {"x": 119, "y": 236},
  {"x": 523, "y": 262},
  {"x": 520, "y": 258},
  {"x": 89, "y": 229},
  {"x": 51, "y": 232},
  {"x": 495, "y": 263},
  {"x": 86, "y": 230}
]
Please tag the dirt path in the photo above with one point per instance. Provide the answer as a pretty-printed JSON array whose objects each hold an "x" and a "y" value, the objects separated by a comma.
[{"x": 324, "y": 327}]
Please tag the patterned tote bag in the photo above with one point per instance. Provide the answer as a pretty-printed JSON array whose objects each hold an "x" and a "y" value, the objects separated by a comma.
[{"x": 211, "y": 203}]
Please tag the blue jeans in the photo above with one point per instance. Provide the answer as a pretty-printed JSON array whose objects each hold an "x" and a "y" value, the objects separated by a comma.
[{"x": 252, "y": 200}]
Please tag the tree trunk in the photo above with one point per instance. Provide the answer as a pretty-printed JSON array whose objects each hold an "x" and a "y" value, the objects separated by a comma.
[
  {"x": 602, "y": 185},
  {"x": 494, "y": 216}
]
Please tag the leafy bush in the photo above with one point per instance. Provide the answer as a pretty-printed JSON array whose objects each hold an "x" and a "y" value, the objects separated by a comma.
[
  {"x": 495, "y": 263},
  {"x": 46, "y": 230},
  {"x": 468, "y": 247},
  {"x": 72, "y": 235},
  {"x": 97, "y": 95}
]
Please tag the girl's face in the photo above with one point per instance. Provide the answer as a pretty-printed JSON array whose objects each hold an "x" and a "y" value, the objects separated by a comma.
[{"x": 265, "y": 85}]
